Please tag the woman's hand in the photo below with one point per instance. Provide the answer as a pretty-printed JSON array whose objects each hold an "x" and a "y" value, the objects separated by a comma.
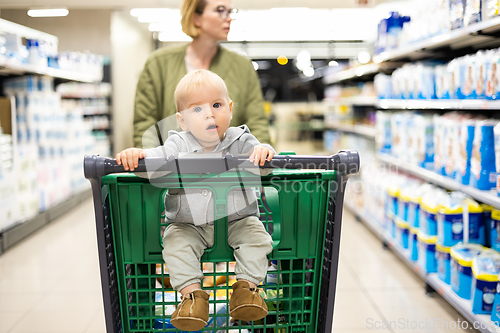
[
  {"x": 130, "y": 158},
  {"x": 260, "y": 155}
]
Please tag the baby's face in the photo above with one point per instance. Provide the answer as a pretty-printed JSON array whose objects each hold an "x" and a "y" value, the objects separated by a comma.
[{"x": 207, "y": 114}]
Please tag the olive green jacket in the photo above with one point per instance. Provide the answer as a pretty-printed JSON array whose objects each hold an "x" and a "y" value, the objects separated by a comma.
[{"x": 154, "y": 99}]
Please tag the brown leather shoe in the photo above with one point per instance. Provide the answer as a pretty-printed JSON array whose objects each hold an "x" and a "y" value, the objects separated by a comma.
[
  {"x": 192, "y": 313},
  {"x": 246, "y": 304}
]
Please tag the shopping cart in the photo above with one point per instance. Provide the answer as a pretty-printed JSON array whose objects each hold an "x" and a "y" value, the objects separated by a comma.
[{"x": 301, "y": 207}]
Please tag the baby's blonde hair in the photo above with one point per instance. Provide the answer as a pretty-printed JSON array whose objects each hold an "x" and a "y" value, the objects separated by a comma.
[
  {"x": 194, "y": 80},
  {"x": 188, "y": 9}
]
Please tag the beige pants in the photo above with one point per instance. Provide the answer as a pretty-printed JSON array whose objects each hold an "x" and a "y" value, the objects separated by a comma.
[{"x": 184, "y": 244}]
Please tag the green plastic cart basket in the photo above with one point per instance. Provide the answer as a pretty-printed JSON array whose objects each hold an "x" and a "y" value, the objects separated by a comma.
[{"x": 300, "y": 204}]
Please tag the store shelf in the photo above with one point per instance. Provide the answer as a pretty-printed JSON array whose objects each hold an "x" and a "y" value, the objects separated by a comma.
[
  {"x": 473, "y": 36},
  {"x": 21, "y": 69},
  {"x": 363, "y": 130},
  {"x": 482, "y": 323},
  {"x": 487, "y": 197},
  {"x": 356, "y": 101},
  {"x": 440, "y": 104},
  {"x": 362, "y": 73},
  {"x": 16, "y": 233}
]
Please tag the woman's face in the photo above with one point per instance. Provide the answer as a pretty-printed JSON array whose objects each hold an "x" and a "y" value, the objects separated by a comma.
[{"x": 214, "y": 22}]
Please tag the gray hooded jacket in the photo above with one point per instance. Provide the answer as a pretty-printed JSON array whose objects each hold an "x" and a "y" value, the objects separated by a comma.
[{"x": 196, "y": 205}]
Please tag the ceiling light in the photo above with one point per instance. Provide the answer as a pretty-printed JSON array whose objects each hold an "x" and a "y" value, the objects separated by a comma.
[
  {"x": 364, "y": 57},
  {"x": 309, "y": 71},
  {"x": 48, "y": 12},
  {"x": 333, "y": 63}
]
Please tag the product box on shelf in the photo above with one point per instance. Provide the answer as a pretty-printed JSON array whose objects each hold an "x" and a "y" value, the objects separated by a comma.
[
  {"x": 402, "y": 232},
  {"x": 487, "y": 209},
  {"x": 485, "y": 269},
  {"x": 483, "y": 168},
  {"x": 489, "y": 9},
  {"x": 422, "y": 138},
  {"x": 27, "y": 182},
  {"x": 429, "y": 205},
  {"x": 472, "y": 13},
  {"x": 8, "y": 200},
  {"x": 464, "y": 151},
  {"x": 443, "y": 262},
  {"x": 460, "y": 219},
  {"x": 413, "y": 244},
  {"x": 497, "y": 156},
  {"x": 495, "y": 229},
  {"x": 427, "y": 252},
  {"x": 384, "y": 135},
  {"x": 460, "y": 268}
]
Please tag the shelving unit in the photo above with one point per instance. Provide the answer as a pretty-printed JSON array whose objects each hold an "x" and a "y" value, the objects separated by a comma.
[
  {"x": 11, "y": 234},
  {"x": 486, "y": 197},
  {"x": 361, "y": 73},
  {"x": 482, "y": 323},
  {"x": 21, "y": 69},
  {"x": 476, "y": 36},
  {"x": 438, "y": 104},
  {"x": 363, "y": 130}
]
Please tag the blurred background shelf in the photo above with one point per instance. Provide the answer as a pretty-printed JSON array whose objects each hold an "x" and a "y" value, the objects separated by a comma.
[
  {"x": 486, "y": 197},
  {"x": 441, "y": 104}
]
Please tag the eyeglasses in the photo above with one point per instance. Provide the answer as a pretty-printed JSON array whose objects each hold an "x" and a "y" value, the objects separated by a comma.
[{"x": 224, "y": 12}]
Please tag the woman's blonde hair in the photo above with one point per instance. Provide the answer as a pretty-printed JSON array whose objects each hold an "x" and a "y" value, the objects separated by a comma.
[
  {"x": 194, "y": 80},
  {"x": 188, "y": 10}
]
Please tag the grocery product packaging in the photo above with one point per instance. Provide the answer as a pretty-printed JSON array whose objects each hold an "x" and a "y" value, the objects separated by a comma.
[
  {"x": 443, "y": 84},
  {"x": 457, "y": 9},
  {"x": 423, "y": 140},
  {"x": 439, "y": 133},
  {"x": 456, "y": 213},
  {"x": 413, "y": 244},
  {"x": 495, "y": 229},
  {"x": 443, "y": 262},
  {"x": 414, "y": 203},
  {"x": 460, "y": 268},
  {"x": 429, "y": 205},
  {"x": 483, "y": 169},
  {"x": 427, "y": 252},
  {"x": 489, "y": 9},
  {"x": 496, "y": 132},
  {"x": 402, "y": 232},
  {"x": 485, "y": 269},
  {"x": 464, "y": 151},
  {"x": 472, "y": 12},
  {"x": 487, "y": 210},
  {"x": 492, "y": 70},
  {"x": 383, "y": 135}
]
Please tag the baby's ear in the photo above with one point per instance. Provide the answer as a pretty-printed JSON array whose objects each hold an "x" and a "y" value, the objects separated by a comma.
[
  {"x": 181, "y": 122},
  {"x": 231, "y": 108}
]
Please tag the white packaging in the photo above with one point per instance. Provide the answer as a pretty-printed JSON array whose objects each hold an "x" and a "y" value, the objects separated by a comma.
[
  {"x": 438, "y": 144},
  {"x": 423, "y": 138},
  {"x": 489, "y": 9},
  {"x": 472, "y": 12},
  {"x": 480, "y": 74}
]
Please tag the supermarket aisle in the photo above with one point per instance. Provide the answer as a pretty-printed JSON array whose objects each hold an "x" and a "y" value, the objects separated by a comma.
[{"x": 50, "y": 283}]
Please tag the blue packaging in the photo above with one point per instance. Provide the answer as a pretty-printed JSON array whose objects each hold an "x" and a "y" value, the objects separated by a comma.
[
  {"x": 485, "y": 269},
  {"x": 483, "y": 169},
  {"x": 429, "y": 204},
  {"x": 439, "y": 137},
  {"x": 495, "y": 229},
  {"x": 423, "y": 136},
  {"x": 460, "y": 268},
  {"x": 487, "y": 210},
  {"x": 427, "y": 252},
  {"x": 465, "y": 151},
  {"x": 443, "y": 262},
  {"x": 466, "y": 89},
  {"x": 413, "y": 244},
  {"x": 496, "y": 132},
  {"x": 402, "y": 232},
  {"x": 384, "y": 134},
  {"x": 452, "y": 125},
  {"x": 495, "y": 311},
  {"x": 452, "y": 220},
  {"x": 414, "y": 204}
]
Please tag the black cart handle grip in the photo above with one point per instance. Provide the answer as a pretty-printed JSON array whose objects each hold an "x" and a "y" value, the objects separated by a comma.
[{"x": 346, "y": 162}]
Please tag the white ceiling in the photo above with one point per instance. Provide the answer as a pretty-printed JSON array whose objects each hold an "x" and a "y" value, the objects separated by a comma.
[{"x": 242, "y": 4}]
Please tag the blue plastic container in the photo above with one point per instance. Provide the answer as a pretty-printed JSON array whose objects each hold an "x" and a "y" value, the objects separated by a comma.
[
  {"x": 443, "y": 262},
  {"x": 495, "y": 311},
  {"x": 461, "y": 268},
  {"x": 487, "y": 210},
  {"x": 483, "y": 168},
  {"x": 485, "y": 269},
  {"x": 413, "y": 244},
  {"x": 451, "y": 221},
  {"x": 495, "y": 229},
  {"x": 427, "y": 252},
  {"x": 402, "y": 232}
]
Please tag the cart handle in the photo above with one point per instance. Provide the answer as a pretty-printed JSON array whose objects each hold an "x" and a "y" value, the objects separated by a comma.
[{"x": 347, "y": 162}]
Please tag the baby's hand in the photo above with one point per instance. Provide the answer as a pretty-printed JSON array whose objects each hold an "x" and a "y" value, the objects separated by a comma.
[
  {"x": 130, "y": 158},
  {"x": 260, "y": 154}
]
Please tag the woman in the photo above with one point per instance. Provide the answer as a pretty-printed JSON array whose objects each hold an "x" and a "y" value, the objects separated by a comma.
[{"x": 208, "y": 23}]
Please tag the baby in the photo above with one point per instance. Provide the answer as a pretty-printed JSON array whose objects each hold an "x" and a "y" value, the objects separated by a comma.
[{"x": 204, "y": 111}]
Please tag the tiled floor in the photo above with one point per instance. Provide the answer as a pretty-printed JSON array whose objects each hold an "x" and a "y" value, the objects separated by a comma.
[{"x": 50, "y": 283}]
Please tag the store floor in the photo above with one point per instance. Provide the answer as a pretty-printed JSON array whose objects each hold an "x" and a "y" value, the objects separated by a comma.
[{"x": 50, "y": 283}]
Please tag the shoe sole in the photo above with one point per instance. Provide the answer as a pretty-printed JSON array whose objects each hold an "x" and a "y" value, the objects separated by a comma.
[
  {"x": 188, "y": 323},
  {"x": 248, "y": 312}
]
